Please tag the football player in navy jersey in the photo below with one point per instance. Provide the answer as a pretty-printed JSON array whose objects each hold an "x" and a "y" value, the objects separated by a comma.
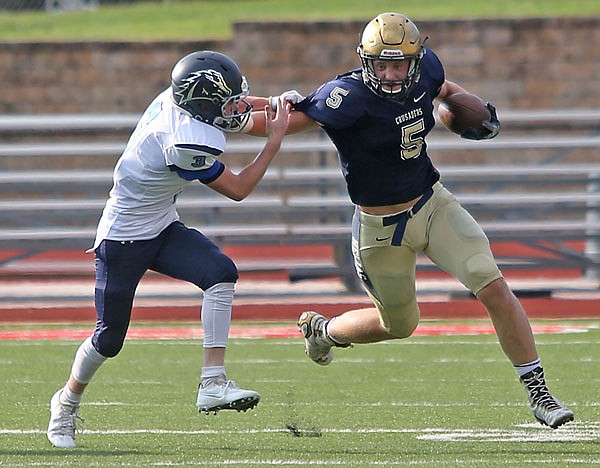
[
  {"x": 378, "y": 117},
  {"x": 178, "y": 140}
]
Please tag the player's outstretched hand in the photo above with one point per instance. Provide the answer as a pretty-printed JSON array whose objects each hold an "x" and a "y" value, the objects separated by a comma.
[
  {"x": 490, "y": 129},
  {"x": 277, "y": 120}
]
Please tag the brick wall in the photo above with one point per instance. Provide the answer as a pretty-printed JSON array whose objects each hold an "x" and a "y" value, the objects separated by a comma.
[{"x": 517, "y": 63}]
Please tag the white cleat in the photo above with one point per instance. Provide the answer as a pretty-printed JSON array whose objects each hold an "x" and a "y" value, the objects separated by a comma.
[
  {"x": 62, "y": 426},
  {"x": 219, "y": 394}
]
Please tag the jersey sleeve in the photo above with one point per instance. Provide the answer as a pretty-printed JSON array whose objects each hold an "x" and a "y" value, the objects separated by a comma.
[
  {"x": 336, "y": 104},
  {"x": 435, "y": 70},
  {"x": 192, "y": 161},
  {"x": 192, "y": 149},
  {"x": 191, "y": 156}
]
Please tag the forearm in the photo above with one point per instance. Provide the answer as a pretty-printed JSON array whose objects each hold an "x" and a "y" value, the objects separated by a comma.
[
  {"x": 449, "y": 88},
  {"x": 299, "y": 122},
  {"x": 239, "y": 186},
  {"x": 252, "y": 174},
  {"x": 258, "y": 102}
]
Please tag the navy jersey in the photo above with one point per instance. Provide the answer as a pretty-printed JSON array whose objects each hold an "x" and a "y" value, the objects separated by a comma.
[{"x": 380, "y": 142}]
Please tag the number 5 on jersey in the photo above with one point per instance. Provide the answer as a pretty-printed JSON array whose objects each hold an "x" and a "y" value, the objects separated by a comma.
[{"x": 411, "y": 142}]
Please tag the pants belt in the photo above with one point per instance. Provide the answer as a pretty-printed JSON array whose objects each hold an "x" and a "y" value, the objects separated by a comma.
[{"x": 401, "y": 219}]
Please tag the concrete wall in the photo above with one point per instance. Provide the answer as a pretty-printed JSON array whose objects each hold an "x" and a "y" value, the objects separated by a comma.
[{"x": 516, "y": 63}]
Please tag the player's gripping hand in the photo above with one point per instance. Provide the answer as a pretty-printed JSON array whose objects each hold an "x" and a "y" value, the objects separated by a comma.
[
  {"x": 292, "y": 96},
  {"x": 277, "y": 120},
  {"x": 490, "y": 129}
]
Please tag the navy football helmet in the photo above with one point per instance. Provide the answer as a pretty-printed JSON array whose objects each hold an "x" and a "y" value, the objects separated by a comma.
[{"x": 210, "y": 87}]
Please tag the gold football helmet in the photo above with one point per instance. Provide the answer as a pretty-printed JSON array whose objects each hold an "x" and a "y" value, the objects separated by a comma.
[{"x": 391, "y": 36}]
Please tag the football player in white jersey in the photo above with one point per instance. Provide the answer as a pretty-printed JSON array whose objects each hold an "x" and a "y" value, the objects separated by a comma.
[
  {"x": 378, "y": 117},
  {"x": 178, "y": 140}
]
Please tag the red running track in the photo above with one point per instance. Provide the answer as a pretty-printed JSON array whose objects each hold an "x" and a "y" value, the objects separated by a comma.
[
  {"x": 265, "y": 331},
  {"x": 544, "y": 307}
]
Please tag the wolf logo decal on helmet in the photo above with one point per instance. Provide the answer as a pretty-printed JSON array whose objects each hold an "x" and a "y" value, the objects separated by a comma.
[{"x": 187, "y": 90}]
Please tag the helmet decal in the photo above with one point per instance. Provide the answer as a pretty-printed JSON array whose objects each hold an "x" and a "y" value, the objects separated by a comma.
[
  {"x": 187, "y": 90},
  {"x": 391, "y": 53}
]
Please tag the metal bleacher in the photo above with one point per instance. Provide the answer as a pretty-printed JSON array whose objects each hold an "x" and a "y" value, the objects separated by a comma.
[{"x": 536, "y": 186}]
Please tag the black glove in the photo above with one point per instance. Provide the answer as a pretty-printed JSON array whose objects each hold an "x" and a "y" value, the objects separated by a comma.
[{"x": 491, "y": 127}]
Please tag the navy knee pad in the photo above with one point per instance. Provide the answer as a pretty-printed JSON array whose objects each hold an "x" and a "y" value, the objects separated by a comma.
[
  {"x": 108, "y": 341},
  {"x": 223, "y": 271},
  {"x": 113, "y": 310}
]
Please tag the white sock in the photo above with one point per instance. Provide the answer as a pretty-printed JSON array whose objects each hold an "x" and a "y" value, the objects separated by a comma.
[
  {"x": 523, "y": 369},
  {"x": 216, "y": 314},
  {"x": 212, "y": 372},
  {"x": 87, "y": 362},
  {"x": 67, "y": 397}
]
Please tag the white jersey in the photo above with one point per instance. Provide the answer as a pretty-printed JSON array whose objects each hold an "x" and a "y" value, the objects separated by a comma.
[{"x": 142, "y": 200}]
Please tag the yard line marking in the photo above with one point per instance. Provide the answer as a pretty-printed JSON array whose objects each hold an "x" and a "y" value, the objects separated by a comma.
[
  {"x": 574, "y": 432},
  {"x": 391, "y": 404},
  {"x": 567, "y": 434}
]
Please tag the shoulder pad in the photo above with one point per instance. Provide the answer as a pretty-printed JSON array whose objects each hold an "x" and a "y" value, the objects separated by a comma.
[{"x": 350, "y": 74}]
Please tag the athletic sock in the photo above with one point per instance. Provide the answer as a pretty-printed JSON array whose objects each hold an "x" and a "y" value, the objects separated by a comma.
[
  {"x": 67, "y": 397},
  {"x": 523, "y": 369},
  {"x": 213, "y": 372},
  {"x": 87, "y": 361},
  {"x": 216, "y": 314}
]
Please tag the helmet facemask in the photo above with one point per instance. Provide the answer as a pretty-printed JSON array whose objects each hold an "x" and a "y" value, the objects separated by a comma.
[
  {"x": 396, "y": 90},
  {"x": 391, "y": 36},
  {"x": 232, "y": 119}
]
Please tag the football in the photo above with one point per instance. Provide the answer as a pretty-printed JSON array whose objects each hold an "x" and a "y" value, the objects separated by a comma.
[{"x": 461, "y": 111}]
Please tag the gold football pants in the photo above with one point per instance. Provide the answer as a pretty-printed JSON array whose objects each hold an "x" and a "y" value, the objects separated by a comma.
[{"x": 441, "y": 229}]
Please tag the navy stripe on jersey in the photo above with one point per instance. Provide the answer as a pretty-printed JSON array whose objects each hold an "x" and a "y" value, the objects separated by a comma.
[
  {"x": 202, "y": 148},
  {"x": 206, "y": 176}
]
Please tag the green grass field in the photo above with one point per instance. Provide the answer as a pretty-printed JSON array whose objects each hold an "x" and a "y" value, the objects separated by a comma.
[
  {"x": 180, "y": 19},
  {"x": 432, "y": 401}
]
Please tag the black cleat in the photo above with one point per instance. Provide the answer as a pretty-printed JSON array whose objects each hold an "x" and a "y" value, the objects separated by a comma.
[{"x": 546, "y": 409}]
